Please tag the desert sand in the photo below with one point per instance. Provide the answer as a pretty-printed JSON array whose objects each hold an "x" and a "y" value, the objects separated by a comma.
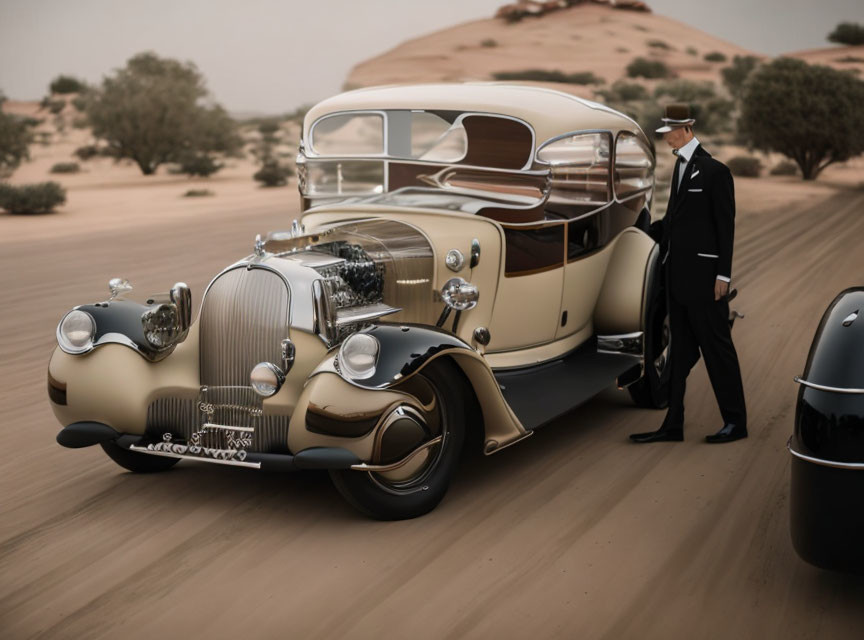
[{"x": 573, "y": 533}]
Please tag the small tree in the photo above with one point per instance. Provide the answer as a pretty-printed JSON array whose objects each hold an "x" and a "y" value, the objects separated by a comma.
[
  {"x": 811, "y": 114},
  {"x": 736, "y": 74},
  {"x": 14, "y": 140},
  {"x": 153, "y": 112},
  {"x": 67, "y": 84},
  {"x": 850, "y": 33}
]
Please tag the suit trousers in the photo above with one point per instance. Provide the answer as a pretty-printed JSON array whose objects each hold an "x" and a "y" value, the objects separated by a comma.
[{"x": 704, "y": 326}]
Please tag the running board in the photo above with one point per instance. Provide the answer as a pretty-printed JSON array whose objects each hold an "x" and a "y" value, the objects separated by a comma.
[{"x": 541, "y": 393}]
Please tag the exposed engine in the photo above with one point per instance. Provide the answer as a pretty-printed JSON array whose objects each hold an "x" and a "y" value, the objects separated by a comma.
[{"x": 357, "y": 281}]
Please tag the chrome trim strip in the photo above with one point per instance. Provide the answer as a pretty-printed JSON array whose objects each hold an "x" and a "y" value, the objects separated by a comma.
[
  {"x": 822, "y": 387},
  {"x": 824, "y": 463},
  {"x": 230, "y": 463},
  {"x": 210, "y": 425},
  {"x": 401, "y": 463},
  {"x": 365, "y": 313}
]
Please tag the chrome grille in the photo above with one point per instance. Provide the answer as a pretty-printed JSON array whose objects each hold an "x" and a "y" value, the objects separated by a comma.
[
  {"x": 244, "y": 319},
  {"x": 184, "y": 419}
]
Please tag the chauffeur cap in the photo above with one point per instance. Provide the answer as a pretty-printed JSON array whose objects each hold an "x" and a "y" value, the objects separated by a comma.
[{"x": 677, "y": 115}]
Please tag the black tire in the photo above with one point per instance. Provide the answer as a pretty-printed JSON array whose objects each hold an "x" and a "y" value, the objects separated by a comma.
[
  {"x": 652, "y": 390},
  {"x": 137, "y": 462},
  {"x": 373, "y": 495}
]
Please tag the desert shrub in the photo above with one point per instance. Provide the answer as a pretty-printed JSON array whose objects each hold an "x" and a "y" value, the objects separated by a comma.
[
  {"x": 199, "y": 164},
  {"x": 80, "y": 103},
  {"x": 489, "y": 42},
  {"x": 623, "y": 91},
  {"x": 715, "y": 56},
  {"x": 67, "y": 84},
  {"x": 622, "y": 49},
  {"x": 198, "y": 193},
  {"x": 784, "y": 168},
  {"x": 268, "y": 127},
  {"x": 547, "y": 75},
  {"x": 80, "y": 123},
  {"x": 746, "y": 166},
  {"x": 685, "y": 90},
  {"x": 645, "y": 68},
  {"x": 273, "y": 174},
  {"x": 54, "y": 105},
  {"x": 692, "y": 51},
  {"x": 736, "y": 74},
  {"x": 66, "y": 167},
  {"x": 15, "y": 137},
  {"x": 850, "y": 33},
  {"x": 90, "y": 151},
  {"x": 806, "y": 112},
  {"x": 659, "y": 44},
  {"x": 142, "y": 92},
  {"x": 850, "y": 59},
  {"x": 43, "y": 137},
  {"x": 41, "y": 197}
]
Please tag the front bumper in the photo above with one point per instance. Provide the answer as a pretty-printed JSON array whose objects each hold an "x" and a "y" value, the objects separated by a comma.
[{"x": 84, "y": 434}]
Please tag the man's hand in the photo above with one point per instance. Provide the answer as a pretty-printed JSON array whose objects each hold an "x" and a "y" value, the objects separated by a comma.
[{"x": 721, "y": 288}]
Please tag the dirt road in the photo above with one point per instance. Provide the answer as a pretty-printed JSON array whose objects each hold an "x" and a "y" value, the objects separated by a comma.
[{"x": 575, "y": 533}]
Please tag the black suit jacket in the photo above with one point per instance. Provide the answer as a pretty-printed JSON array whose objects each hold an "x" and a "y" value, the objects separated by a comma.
[{"x": 698, "y": 230}]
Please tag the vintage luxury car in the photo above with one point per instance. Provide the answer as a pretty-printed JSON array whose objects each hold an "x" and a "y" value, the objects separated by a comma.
[
  {"x": 471, "y": 262},
  {"x": 827, "y": 447}
]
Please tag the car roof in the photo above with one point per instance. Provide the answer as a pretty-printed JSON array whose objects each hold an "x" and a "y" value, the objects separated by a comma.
[{"x": 548, "y": 111}]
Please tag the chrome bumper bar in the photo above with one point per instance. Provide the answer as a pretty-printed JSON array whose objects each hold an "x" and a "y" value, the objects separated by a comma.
[
  {"x": 825, "y": 463},
  {"x": 822, "y": 387}
]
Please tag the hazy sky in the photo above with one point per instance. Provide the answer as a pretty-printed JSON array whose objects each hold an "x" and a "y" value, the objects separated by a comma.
[{"x": 273, "y": 55}]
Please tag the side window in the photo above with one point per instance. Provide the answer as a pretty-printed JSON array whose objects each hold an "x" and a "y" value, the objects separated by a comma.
[
  {"x": 580, "y": 172},
  {"x": 349, "y": 134},
  {"x": 634, "y": 167}
]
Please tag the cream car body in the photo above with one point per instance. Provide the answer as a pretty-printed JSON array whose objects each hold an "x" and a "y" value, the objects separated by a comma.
[{"x": 461, "y": 249}]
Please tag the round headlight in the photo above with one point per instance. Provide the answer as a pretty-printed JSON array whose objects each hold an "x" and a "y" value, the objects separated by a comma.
[
  {"x": 266, "y": 379},
  {"x": 75, "y": 332},
  {"x": 358, "y": 356}
]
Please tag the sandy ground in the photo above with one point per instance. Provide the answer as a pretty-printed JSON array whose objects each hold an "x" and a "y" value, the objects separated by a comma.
[{"x": 573, "y": 533}]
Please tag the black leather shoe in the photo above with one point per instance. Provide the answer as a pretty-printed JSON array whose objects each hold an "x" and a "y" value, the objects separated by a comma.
[
  {"x": 728, "y": 433},
  {"x": 661, "y": 435}
]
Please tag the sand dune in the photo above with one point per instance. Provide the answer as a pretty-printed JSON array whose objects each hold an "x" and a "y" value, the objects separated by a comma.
[{"x": 581, "y": 38}]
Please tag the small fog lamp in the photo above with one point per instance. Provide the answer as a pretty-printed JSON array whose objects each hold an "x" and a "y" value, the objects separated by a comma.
[
  {"x": 75, "y": 332},
  {"x": 266, "y": 379},
  {"x": 358, "y": 356}
]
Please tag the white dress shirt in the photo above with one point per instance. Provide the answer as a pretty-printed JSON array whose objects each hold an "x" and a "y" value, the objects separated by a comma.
[{"x": 686, "y": 153}]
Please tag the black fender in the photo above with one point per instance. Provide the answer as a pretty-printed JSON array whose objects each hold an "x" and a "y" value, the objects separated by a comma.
[
  {"x": 120, "y": 322},
  {"x": 404, "y": 350}
]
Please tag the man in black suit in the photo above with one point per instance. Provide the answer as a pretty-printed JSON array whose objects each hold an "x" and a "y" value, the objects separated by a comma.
[{"x": 696, "y": 237}]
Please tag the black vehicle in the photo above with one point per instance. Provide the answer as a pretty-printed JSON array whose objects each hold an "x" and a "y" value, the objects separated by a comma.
[{"x": 827, "y": 488}]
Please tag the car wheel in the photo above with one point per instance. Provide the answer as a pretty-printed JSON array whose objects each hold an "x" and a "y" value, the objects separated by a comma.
[
  {"x": 135, "y": 461},
  {"x": 419, "y": 486},
  {"x": 652, "y": 390}
]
